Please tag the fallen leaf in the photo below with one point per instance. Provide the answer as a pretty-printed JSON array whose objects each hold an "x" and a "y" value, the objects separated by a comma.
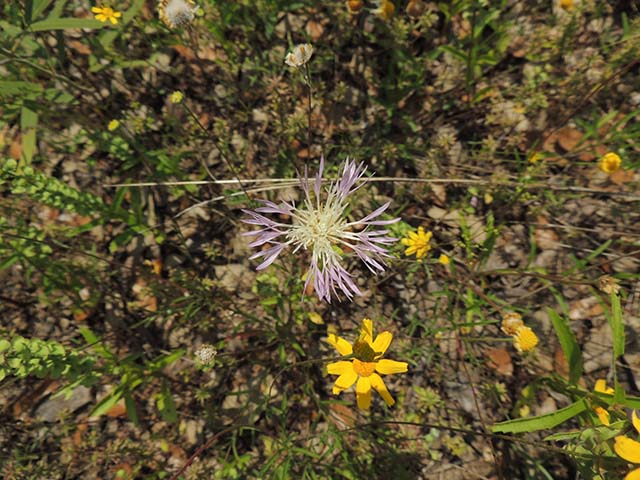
[
  {"x": 500, "y": 360},
  {"x": 314, "y": 29},
  {"x": 620, "y": 177},
  {"x": 560, "y": 364},
  {"x": 569, "y": 138}
]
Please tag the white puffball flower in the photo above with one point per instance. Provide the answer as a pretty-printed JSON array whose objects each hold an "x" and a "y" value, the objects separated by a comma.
[
  {"x": 177, "y": 12},
  {"x": 300, "y": 55}
]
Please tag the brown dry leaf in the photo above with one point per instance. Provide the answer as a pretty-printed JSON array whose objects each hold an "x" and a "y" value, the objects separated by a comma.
[
  {"x": 569, "y": 138},
  {"x": 500, "y": 360},
  {"x": 118, "y": 410},
  {"x": 342, "y": 416},
  {"x": 80, "y": 316},
  {"x": 560, "y": 364},
  {"x": 185, "y": 52},
  {"x": 144, "y": 298},
  {"x": 621, "y": 177},
  {"x": 79, "y": 47},
  {"x": 77, "y": 435},
  {"x": 314, "y": 29},
  {"x": 15, "y": 149}
]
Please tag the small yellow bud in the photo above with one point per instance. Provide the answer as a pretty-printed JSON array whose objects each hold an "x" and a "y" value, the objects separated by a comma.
[
  {"x": 176, "y": 97},
  {"x": 113, "y": 125},
  {"x": 610, "y": 163}
]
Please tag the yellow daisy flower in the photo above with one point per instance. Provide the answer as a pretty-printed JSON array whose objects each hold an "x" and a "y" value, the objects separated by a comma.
[
  {"x": 629, "y": 449},
  {"x": 525, "y": 339},
  {"x": 610, "y": 163},
  {"x": 601, "y": 387},
  {"x": 113, "y": 125},
  {"x": 418, "y": 243},
  {"x": 444, "y": 259},
  {"x": 366, "y": 362},
  {"x": 105, "y": 14}
]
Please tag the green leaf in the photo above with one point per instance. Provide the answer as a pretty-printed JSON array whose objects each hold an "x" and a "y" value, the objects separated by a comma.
[
  {"x": 617, "y": 328},
  {"x": 132, "y": 411},
  {"x": 569, "y": 346},
  {"x": 541, "y": 422},
  {"x": 166, "y": 405},
  {"x": 28, "y": 123},
  {"x": 10, "y": 87},
  {"x": 65, "y": 23},
  {"x": 37, "y": 8},
  {"x": 107, "y": 402}
]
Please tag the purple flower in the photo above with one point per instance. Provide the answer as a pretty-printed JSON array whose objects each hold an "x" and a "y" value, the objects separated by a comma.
[{"x": 322, "y": 228}]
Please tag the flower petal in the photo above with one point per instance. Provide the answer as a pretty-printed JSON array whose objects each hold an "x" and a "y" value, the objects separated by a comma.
[
  {"x": 636, "y": 421},
  {"x": 603, "y": 415},
  {"x": 626, "y": 448},
  {"x": 633, "y": 475},
  {"x": 96, "y": 9},
  {"x": 366, "y": 334},
  {"x": 344, "y": 381},
  {"x": 381, "y": 388},
  {"x": 341, "y": 345},
  {"x": 387, "y": 367},
  {"x": 363, "y": 393},
  {"x": 382, "y": 342},
  {"x": 601, "y": 387},
  {"x": 339, "y": 368}
]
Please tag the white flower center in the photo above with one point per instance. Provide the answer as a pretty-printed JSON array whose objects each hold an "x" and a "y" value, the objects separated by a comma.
[
  {"x": 320, "y": 229},
  {"x": 179, "y": 12}
]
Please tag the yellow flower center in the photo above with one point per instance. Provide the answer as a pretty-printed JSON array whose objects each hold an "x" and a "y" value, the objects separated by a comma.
[
  {"x": 525, "y": 339},
  {"x": 364, "y": 369}
]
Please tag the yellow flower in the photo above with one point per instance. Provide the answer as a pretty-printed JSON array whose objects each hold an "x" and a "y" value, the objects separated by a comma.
[
  {"x": 104, "y": 14},
  {"x": 176, "y": 97},
  {"x": 113, "y": 124},
  {"x": 354, "y": 6},
  {"x": 566, "y": 4},
  {"x": 444, "y": 259},
  {"x": 610, "y": 163},
  {"x": 385, "y": 10},
  {"x": 511, "y": 322},
  {"x": 418, "y": 243},
  {"x": 524, "y": 340},
  {"x": 629, "y": 449},
  {"x": 601, "y": 387},
  {"x": 366, "y": 362}
]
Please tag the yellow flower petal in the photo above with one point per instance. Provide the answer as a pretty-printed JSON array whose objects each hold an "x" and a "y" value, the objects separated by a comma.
[
  {"x": 366, "y": 334},
  {"x": 601, "y": 387},
  {"x": 636, "y": 421},
  {"x": 344, "y": 381},
  {"x": 381, "y": 388},
  {"x": 363, "y": 393},
  {"x": 96, "y": 9},
  {"x": 388, "y": 367},
  {"x": 633, "y": 475},
  {"x": 339, "y": 368},
  {"x": 603, "y": 415},
  {"x": 341, "y": 345},
  {"x": 382, "y": 342},
  {"x": 627, "y": 449}
]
